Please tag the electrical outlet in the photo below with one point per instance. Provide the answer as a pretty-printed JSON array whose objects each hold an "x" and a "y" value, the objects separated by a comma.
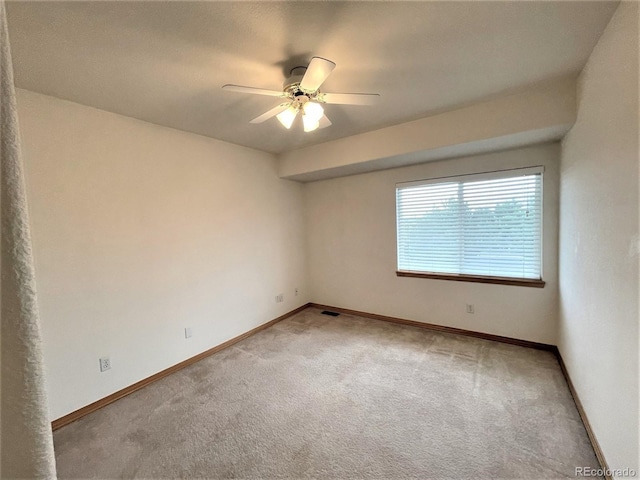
[
  {"x": 105, "y": 364},
  {"x": 188, "y": 333},
  {"x": 296, "y": 292},
  {"x": 280, "y": 298},
  {"x": 470, "y": 308}
]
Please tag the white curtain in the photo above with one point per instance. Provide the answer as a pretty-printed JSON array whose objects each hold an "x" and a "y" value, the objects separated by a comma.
[{"x": 27, "y": 444}]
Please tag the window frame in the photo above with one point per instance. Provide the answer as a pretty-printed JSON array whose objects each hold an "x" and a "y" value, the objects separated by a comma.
[{"x": 487, "y": 175}]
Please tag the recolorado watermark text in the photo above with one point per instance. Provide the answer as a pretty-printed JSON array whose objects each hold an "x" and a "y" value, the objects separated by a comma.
[{"x": 608, "y": 472}]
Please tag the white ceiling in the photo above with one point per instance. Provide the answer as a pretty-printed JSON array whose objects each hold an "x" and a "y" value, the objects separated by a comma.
[{"x": 164, "y": 62}]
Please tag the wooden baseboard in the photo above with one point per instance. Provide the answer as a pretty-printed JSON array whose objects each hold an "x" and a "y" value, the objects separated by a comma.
[
  {"x": 73, "y": 416},
  {"x": 92, "y": 407},
  {"x": 440, "y": 328},
  {"x": 583, "y": 415},
  {"x": 496, "y": 338}
]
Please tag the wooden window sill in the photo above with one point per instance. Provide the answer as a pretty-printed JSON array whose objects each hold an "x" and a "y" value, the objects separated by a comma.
[{"x": 520, "y": 282}]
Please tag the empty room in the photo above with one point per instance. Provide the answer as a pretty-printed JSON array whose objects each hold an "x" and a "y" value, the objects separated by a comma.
[{"x": 342, "y": 240}]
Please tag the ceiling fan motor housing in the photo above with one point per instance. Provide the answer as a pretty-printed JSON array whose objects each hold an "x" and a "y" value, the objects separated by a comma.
[
  {"x": 291, "y": 87},
  {"x": 295, "y": 77}
]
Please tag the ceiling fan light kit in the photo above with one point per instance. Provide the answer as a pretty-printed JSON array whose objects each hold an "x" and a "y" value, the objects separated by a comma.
[
  {"x": 302, "y": 94},
  {"x": 309, "y": 124},
  {"x": 287, "y": 117}
]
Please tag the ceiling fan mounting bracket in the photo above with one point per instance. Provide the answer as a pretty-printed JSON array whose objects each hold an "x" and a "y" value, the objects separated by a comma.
[{"x": 301, "y": 71}]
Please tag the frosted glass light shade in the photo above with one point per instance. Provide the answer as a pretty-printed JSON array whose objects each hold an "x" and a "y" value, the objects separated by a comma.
[
  {"x": 287, "y": 117},
  {"x": 313, "y": 110},
  {"x": 309, "y": 123}
]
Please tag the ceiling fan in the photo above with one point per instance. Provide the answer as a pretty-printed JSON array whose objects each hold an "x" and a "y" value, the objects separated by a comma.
[{"x": 301, "y": 93}]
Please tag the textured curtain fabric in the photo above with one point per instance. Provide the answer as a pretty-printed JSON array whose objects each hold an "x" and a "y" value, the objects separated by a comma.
[{"x": 27, "y": 444}]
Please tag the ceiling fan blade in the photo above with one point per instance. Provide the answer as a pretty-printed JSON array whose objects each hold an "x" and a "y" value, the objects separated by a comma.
[
  {"x": 271, "y": 113},
  {"x": 256, "y": 91},
  {"x": 324, "y": 122},
  {"x": 317, "y": 72},
  {"x": 351, "y": 98}
]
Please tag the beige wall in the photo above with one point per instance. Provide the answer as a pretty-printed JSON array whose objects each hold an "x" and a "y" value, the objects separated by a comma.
[
  {"x": 352, "y": 252},
  {"x": 140, "y": 231},
  {"x": 598, "y": 326}
]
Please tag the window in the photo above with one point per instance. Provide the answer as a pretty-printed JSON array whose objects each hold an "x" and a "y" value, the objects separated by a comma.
[{"x": 482, "y": 227}]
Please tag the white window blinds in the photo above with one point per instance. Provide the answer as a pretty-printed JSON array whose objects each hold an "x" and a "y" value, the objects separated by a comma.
[{"x": 487, "y": 224}]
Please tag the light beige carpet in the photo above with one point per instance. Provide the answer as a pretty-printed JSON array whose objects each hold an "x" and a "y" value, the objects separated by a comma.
[{"x": 341, "y": 397}]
